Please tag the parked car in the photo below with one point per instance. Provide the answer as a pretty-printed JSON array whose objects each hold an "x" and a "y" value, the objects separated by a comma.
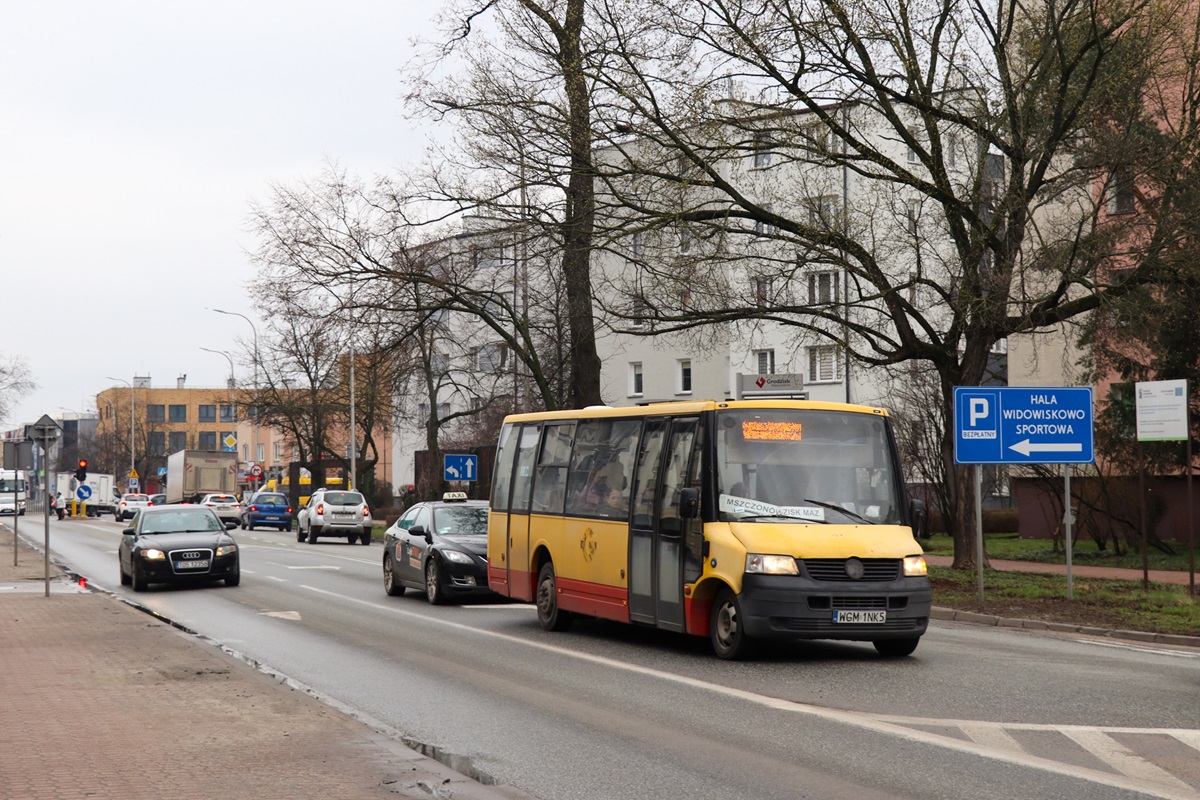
[
  {"x": 334, "y": 512},
  {"x": 439, "y": 548},
  {"x": 267, "y": 510},
  {"x": 226, "y": 507},
  {"x": 129, "y": 505},
  {"x": 176, "y": 544}
]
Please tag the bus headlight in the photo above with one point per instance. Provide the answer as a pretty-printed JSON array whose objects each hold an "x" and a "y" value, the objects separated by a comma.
[
  {"x": 915, "y": 567},
  {"x": 771, "y": 565}
]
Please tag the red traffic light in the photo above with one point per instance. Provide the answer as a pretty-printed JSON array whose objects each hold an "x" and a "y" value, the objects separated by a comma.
[{"x": 83, "y": 463}]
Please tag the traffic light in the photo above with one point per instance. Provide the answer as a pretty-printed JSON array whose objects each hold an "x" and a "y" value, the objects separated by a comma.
[{"x": 81, "y": 473}]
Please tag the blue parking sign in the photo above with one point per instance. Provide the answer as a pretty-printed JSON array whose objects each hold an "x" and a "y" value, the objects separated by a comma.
[{"x": 1023, "y": 425}]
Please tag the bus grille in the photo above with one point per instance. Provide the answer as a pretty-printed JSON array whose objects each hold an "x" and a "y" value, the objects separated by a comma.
[
  {"x": 801, "y": 625},
  {"x": 834, "y": 569}
]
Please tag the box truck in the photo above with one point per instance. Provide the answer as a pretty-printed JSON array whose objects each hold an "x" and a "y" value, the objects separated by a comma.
[
  {"x": 191, "y": 473},
  {"x": 99, "y": 496}
]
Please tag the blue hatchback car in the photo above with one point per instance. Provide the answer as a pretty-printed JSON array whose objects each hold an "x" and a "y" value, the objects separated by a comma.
[{"x": 267, "y": 510}]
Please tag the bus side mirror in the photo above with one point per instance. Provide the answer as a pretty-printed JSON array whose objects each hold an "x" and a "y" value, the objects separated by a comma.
[
  {"x": 689, "y": 503},
  {"x": 920, "y": 520}
]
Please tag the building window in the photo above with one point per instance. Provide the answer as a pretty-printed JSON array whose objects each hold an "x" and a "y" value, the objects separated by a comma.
[
  {"x": 824, "y": 364},
  {"x": 1120, "y": 193},
  {"x": 261, "y": 455},
  {"x": 822, "y": 288},
  {"x": 818, "y": 138},
  {"x": 765, "y": 362},
  {"x": 228, "y": 413},
  {"x": 207, "y": 440},
  {"x": 491, "y": 357},
  {"x": 177, "y": 440},
  {"x": 208, "y": 413},
  {"x": 823, "y": 212},
  {"x": 764, "y": 291},
  {"x": 950, "y": 150},
  {"x": 491, "y": 258},
  {"x": 635, "y": 379},
  {"x": 178, "y": 413},
  {"x": 684, "y": 376},
  {"x": 638, "y": 245},
  {"x": 639, "y": 311},
  {"x": 278, "y": 456},
  {"x": 913, "y": 156},
  {"x": 156, "y": 442},
  {"x": 156, "y": 413},
  {"x": 912, "y": 210},
  {"x": 761, "y": 227},
  {"x": 763, "y": 146},
  {"x": 685, "y": 241}
]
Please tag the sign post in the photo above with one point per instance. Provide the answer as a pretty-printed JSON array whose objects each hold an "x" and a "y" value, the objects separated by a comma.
[
  {"x": 1024, "y": 425},
  {"x": 18, "y": 456},
  {"x": 44, "y": 433},
  {"x": 1163, "y": 415}
]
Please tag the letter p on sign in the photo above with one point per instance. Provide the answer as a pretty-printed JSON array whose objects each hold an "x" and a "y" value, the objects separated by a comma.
[{"x": 977, "y": 410}]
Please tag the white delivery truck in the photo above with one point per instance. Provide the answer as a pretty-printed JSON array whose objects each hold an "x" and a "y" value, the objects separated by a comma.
[
  {"x": 191, "y": 473},
  {"x": 14, "y": 490},
  {"x": 98, "y": 493}
]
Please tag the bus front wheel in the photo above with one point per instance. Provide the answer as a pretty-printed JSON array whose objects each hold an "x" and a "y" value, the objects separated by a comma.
[
  {"x": 728, "y": 636},
  {"x": 896, "y": 648},
  {"x": 551, "y": 617}
]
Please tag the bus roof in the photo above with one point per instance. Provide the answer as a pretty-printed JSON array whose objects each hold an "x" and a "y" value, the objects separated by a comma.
[{"x": 677, "y": 407}]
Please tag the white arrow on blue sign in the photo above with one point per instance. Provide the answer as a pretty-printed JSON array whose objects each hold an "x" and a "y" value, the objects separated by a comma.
[
  {"x": 461, "y": 467},
  {"x": 1023, "y": 425},
  {"x": 83, "y": 492}
]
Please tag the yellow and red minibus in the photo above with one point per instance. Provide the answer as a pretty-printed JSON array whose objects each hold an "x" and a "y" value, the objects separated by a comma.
[{"x": 737, "y": 520}]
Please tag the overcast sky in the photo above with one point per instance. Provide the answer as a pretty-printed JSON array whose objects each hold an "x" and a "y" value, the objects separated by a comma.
[{"x": 134, "y": 134}]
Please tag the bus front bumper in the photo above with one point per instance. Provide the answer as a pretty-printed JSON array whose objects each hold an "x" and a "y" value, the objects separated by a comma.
[{"x": 794, "y": 607}]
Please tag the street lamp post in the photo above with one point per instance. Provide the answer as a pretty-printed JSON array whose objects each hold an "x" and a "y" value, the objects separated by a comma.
[
  {"x": 132, "y": 458},
  {"x": 228, "y": 358},
  {"x": 255, "y": 406}
]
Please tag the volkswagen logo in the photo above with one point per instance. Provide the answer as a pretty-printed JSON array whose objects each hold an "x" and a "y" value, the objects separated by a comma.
[
  {"x": 854, "y": 569},
  {"x": 192, "y": 555}
]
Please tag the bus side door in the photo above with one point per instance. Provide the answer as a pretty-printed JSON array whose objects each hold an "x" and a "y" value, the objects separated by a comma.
[
  {"x": 520, "y": 570},
  {"x": 656, "y": 544}
]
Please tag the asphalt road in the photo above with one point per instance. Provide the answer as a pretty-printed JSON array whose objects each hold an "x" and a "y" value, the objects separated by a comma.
[{"x": 611, "y": 711}]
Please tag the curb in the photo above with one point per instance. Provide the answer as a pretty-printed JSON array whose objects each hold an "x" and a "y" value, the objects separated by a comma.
[{"x": 975, "y": 618}]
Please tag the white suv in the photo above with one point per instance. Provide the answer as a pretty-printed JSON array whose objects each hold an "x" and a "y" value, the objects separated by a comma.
[
  {"x": 334, "y": 512},
  {"x": 225, "y": 506}
]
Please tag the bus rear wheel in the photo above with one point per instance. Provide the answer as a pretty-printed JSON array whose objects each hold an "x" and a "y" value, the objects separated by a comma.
[
  {"x": 551, "y": 617},
  {"x": 725, "y": 630}
]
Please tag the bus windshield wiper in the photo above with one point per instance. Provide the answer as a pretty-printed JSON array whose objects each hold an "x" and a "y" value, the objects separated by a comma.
[
  {"x": 836, "y": 507},
  {"x": 753, "y": 517}
]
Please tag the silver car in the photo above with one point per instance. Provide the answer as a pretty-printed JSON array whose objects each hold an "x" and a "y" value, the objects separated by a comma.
[{"x": 334, "y": 512}]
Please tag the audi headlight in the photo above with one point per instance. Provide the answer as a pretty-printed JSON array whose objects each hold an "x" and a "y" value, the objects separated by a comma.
[
  {"x": 457, "y": 557},
  {"x": 771, "y": 565},
  {"x": 226, "y": 549},
  {"x": 915, "y": 566},
  {"x": 153, "y": 554}
]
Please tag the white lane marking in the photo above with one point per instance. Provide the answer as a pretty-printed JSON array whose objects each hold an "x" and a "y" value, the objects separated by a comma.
[
  {"x": 1163, "y": 650},
  {"x": 317, "y": 566},
  {"x": 292, "y": 615},
  {"x": 1190, "y": 738},
  {"x": 1122, "y": 759},
  {"x": 858, "y": 719},
  {"x": 275, "y": 578},
  {"x": 992, "y": 736}
]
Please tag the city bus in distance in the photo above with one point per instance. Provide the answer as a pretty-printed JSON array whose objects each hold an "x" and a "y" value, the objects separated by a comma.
[{"x": 736, "y": 520}]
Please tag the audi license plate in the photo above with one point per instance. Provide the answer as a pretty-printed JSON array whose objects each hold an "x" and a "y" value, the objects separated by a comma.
[
  {"x": 191, "y": 564},
  {"x": 860, "y": 617}
]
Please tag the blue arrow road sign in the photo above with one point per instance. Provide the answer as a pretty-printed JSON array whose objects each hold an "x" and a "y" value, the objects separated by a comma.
[
  {"x": 83, "y": 492},
  {"x": 1023, "y": 425},
  {"x": 461, "y": 467}
]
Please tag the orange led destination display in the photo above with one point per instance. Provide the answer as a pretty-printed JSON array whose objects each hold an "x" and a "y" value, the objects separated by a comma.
[{"x": 766, "y": 431}]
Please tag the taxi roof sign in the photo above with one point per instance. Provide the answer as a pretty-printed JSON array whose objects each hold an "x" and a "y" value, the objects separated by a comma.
[{"x": 454, "y": 497}]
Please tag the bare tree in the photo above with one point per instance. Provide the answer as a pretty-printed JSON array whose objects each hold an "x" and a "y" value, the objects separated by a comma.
[
  {"x": 943, "y": 159},
  {"x": 15, "y": 382}
]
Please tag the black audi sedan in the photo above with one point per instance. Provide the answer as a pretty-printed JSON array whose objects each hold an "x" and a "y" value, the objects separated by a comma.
[
  {"x": 177, "y": 544},
  {"x": 439, "y": 548}
]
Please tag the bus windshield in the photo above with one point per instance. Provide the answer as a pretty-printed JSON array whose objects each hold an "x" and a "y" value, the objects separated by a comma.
[
  {"x": 11, "y": 485},
  {"x": 813, "y": 466}
]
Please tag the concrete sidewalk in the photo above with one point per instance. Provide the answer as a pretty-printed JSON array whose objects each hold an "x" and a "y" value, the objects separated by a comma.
[{"x": 101, "y": 700}]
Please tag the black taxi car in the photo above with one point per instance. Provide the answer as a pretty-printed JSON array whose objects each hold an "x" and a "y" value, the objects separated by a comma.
[
  {"x": 439, "y": 548},
  {"x": 177, "y": 544}
]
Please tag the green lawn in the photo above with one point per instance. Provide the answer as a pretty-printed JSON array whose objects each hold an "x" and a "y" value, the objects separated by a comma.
[{"x": 1009, "y": 546}]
